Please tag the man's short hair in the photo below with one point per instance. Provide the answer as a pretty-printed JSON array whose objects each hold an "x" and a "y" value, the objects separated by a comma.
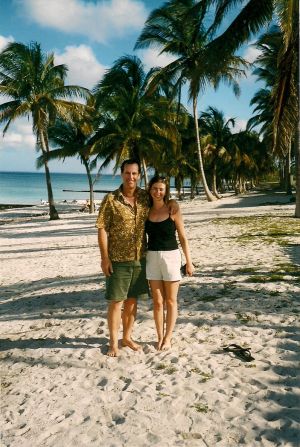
[{"x": 131, "y": 161}]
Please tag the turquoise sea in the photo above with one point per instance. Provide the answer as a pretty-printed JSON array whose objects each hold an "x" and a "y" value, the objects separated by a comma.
[{"x": 30, "y": 187}]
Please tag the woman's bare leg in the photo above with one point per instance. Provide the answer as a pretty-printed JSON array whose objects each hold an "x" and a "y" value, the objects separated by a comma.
[
  {"x": 157, "y": 289},
  {"x": 171, "y": 292}
]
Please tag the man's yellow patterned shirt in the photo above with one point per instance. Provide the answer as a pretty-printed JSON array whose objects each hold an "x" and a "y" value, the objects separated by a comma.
[{"x": 124, "y": 225}]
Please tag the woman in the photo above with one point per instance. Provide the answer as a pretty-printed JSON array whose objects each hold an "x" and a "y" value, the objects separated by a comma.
[{"x": 164, "y": 259}]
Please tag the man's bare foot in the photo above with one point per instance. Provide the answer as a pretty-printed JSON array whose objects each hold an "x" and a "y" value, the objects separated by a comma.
[
  {"x": 113, "y": 351},
  {"x": 166, "y": 344},
  {"x": 131, "y": 344}
]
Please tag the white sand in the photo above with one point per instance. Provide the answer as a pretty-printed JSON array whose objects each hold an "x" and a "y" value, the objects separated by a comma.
[{"x": 60, "y": 389}]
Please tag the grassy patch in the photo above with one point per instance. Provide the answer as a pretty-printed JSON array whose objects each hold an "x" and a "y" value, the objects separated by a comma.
[
  {"x": 268, "y": 229},
  {"x": 166, "y": 368},
  {"x": 201, "y": 408},
  {"x": 204, "y": 376},
  {"x": 245, "y": 318}
]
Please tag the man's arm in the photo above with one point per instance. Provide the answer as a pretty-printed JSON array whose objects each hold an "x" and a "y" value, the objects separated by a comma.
[
  {"x": 106, "y": 265},
  {"x": 173, "y": 206}
]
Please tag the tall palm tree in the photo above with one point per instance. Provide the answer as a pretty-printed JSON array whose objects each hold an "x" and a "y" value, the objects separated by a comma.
[
  {"x": 251, "y": 18},
  {"x": 35, "y": 88},
  {"x": 270, "y": 46},
  {"x": 133, "y": 120},
  {"x": 217, "y": 129},
  {"x": 179, "y": 28}
]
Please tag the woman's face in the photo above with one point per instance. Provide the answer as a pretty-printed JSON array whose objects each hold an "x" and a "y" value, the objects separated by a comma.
[{"x": 158, "y": 191}]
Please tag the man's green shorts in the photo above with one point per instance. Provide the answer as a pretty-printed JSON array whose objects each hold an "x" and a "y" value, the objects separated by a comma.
[{"x": 128, "y": 280}]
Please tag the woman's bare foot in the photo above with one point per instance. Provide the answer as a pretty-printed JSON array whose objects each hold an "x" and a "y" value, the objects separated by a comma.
[
  {"x": 113, "y": 351},
  {"x": 131, "y": 344},
  {"x": 159, "y": 344},
  {"x": 166, "y": 344}
]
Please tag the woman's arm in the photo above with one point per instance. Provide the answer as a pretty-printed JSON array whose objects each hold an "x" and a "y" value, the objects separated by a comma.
[{"x": 184, "y": 242}]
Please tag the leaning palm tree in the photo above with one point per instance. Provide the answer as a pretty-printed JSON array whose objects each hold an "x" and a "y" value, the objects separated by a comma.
[
  {"x": 71, "y": 139},
  {"x": 133, "y": 120},
  {"x": 35, "y": 88},
  {"x": 179, "y": 28}
]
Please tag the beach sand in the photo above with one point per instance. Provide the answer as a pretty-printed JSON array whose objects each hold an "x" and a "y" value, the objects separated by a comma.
[{"x": 60, "y": 389}]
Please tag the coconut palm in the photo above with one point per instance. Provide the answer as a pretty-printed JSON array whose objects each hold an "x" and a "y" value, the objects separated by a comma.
[
  {"x": 270, "y": 46},
  {"x": 35, "y": 88},
  {"x": 217, "y": 133},
  {"x": 179, "y": 28},
  {"x": 251, "y": 18},
  {"x": 134, "y": 121},
  {"x": 71, "y": 139}
]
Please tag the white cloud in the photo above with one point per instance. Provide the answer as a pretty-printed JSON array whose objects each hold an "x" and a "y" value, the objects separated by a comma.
[
  {"x": 4, "y": 41},
  {"x": 251, "y": 54},
  {"x": 18, "y": 136},
  {"x": 99, "y": 20},
  {"x": 152, "y": 58},
  {"x": 84, "y": 69}
]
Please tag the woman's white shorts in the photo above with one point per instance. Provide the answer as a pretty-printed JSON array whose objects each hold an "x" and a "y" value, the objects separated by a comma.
[{"x": 163, "y": 265}]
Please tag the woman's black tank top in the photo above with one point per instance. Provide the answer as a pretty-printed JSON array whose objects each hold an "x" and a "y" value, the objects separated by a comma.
[{"x": 161, "y": 235}]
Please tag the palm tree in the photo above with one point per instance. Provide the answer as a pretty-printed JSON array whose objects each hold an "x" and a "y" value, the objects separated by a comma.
[
  {"x": 71, "y": 139},
  {"x": 133, "y": 120},
  {"x": 249, "y": 159},
  {"x": 252, "y": 17},
  {"x": 35, "y": 87},
  {"x": 178, "y": 28},
  {"x": 216, "y": 130},
  {"x": 270, "y": 46}
]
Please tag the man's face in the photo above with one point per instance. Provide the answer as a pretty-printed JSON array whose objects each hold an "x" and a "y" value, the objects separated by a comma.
[{"x": 130, "y": 176}]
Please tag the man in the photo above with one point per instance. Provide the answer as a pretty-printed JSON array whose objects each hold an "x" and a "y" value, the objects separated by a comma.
[{"x": 122, "y": 243}]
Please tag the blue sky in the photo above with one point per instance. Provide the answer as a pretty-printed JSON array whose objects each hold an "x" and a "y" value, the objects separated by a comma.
[{"x": 88, "y": 36}]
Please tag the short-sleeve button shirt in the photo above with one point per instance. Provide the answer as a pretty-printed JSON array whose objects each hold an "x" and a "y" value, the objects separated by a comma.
[{"x": 124, "y": 225}]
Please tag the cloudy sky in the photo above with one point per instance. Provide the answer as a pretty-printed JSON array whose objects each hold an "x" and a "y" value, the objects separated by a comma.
[{"x": 88, "y": 36}]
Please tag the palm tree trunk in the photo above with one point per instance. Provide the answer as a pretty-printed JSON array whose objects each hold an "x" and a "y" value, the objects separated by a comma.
[
  {"x": 297, "y": 210},
  {"x": 288, "y": 183},
  {"x": 145, "y": 172},
  {"x": 52, "y": 210},
  {"x": 209, "y": 195},
  {"x": 214, "y": 181},
  {"x": 91, "y": 186}
]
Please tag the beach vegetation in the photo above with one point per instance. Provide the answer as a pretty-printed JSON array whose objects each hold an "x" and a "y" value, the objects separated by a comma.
[
  {"x": 168, "y": 369},
  {"x": 283, "y": 102},
  {"x": 36, "y": 89},
  {"x": 204, "y": 376},
  {"x": 135, "y": 120},
  {"x": 201, "y": 407},
  {"x": 72, "y": 139},
  {"x": 180, "y": 28},
  {"x": 244, "y": 317}
]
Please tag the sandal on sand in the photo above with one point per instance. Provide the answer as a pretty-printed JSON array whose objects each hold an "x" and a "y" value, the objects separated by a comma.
[{"x": 238, "y": 351}]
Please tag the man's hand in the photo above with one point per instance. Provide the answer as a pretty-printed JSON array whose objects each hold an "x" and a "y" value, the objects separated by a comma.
[
  {"x": 106, "y": 266},
  {"x": 173, "y": 206}
]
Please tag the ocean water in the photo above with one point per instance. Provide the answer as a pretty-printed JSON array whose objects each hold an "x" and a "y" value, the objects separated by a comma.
[{"x": 30, "y": 187}]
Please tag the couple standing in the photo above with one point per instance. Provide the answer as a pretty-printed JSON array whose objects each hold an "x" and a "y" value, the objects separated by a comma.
[{"x": 125, "y": 216}]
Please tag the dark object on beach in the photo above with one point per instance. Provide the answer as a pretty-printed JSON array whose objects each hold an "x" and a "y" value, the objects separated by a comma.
[
  {"x": 238, "y": 351},
  {"x": 9, "y": 206},
  {"x": 183, "y": 269}
]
